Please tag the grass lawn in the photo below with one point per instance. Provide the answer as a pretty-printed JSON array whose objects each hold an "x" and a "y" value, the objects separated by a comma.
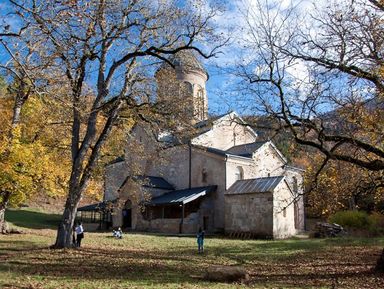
[{"x": 148, "y": 261}]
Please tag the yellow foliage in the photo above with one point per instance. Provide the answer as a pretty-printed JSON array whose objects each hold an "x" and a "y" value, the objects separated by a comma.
[
  {"x": 341, "y": 186},
  {"x": 28, "y": 164}
]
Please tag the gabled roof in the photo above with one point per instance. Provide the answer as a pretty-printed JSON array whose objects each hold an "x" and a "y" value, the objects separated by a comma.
[
  {"x": 220, "y": 152},
  {"x": 208, "y": 122},
  {"x": 246, "y": 149},
  {"x": 155, "y": 182},
  {"x": 182, "y": 196},
  {"x": 206, "y": 125},
  {"x": 258, "y": 185},
  {"x": 150, "y": 182}
]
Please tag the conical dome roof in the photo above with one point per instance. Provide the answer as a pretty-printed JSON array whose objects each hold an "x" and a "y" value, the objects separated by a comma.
[{"x": 186, "y": 59}]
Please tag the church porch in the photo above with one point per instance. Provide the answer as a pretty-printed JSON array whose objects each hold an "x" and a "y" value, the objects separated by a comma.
[{"x": 178, "y": 212}]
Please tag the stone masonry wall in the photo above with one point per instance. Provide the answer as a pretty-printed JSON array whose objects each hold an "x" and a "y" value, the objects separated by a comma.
[
  {"x": 208, "y": 169},
  {"x": 249, "y": 213},
  {"x": 225, "y": 134},
  {"x": 283, "y": 212},
  {"x": 115, "y": 174}
]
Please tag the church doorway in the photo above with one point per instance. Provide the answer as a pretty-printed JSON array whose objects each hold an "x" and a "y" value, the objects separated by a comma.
[
  {"x": 205, "y": 223},
  {"x": 127, "y": 215}
]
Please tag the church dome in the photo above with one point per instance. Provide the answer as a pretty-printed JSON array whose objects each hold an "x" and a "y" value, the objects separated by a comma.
[{"x": 186, "y": 60}]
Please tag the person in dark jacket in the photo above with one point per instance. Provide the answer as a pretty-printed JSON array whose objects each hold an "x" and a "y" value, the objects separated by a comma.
[{"x": 200, "y": 240}]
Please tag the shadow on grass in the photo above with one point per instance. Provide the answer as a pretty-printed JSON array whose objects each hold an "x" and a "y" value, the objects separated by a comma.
[
  {"x": 246, "y": 252},
  {"x": 32, "y": 219},
  {"x": 96, "y": 264},
  {"x": 177, "y": 265}
]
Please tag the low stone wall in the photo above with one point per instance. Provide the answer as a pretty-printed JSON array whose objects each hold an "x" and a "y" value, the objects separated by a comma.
[
  {"x": 171, "y": 226},
  {"x": 91, "y": 227}
]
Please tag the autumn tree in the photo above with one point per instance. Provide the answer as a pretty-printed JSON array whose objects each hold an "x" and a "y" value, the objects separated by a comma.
[
  {"x": 319, "y": 75},
  {"x": 341, "y": 186},
  {"x": 111, "y": 47},
  {"x": 28, "y": 164},
  {"x": 17, "y": 175}
]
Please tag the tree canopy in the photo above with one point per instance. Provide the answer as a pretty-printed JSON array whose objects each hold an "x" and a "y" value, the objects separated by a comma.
[{"x": 109, "y": 48}]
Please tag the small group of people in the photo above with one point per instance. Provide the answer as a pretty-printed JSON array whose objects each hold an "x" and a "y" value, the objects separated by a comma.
[
  {"x": 118, "y": 234},
  {"x": 78, "y": 234}
]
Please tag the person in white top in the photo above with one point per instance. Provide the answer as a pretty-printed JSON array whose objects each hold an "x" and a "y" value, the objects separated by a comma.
[{"x": 79, "y": 234}]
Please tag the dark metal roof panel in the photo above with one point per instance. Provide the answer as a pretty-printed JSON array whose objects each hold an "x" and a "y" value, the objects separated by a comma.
[
  {"x": 182, "y": 196},
  {"x": 221, "y": 152},
  {"x": 149, "y": 182},
  {"x": 97, "y": 207},
  {"x": 246, "y": 149},
  {"x": 259, "y": 185},
  {"x": 155, "y": 182}
]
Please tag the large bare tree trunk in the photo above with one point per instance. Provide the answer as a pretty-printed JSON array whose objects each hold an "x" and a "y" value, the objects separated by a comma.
[
  {"x": 3, "y": 223},
  {"x": 65, "y": 230},
  {"x": 3, "y": 206}
]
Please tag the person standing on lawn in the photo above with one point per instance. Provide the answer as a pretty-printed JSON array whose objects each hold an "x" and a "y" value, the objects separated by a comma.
[
  {"x": 79, "y": 234},
  {"x": 200, "y": 240}
]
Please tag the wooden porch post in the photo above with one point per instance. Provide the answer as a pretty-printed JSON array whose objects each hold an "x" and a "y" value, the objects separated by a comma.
[{"x": 182, "y": 219}]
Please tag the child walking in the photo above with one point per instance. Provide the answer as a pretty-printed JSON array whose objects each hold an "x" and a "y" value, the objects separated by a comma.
[{"x": 200, "y": 241}]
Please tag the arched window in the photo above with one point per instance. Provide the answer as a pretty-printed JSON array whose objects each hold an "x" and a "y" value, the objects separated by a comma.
[
  {"x": 204, "y": 175},
  {"x": 187, "y": 88},
  {"x": 200, "y": 102},
  {"x": 239, "y": 174},
  {"x": 295, "y": 186}
]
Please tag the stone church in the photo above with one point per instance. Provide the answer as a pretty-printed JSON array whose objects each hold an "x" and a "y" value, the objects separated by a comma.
[{"x": 221, "y": 177}]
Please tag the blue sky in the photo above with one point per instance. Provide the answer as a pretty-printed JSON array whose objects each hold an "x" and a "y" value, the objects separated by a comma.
[{"x": 221, "y": 85}]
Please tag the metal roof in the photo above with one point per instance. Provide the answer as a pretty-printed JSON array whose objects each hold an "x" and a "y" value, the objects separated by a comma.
[
  {"x": 182, "y": 196},
  {"x": 259, "y": 185},
  {"x": 96, "y": 207},
  {"x": 155, "y": 182},
  {"x": 187, "y": 59},
  {"x": 219, "y": 152},
  {"x": 184, "y": 59},
  {"x": 149, "y": 182},
  {"x": 246, "y": 149}
]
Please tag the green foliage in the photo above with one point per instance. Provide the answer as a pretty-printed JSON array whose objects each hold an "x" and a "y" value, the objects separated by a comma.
[
  {"x": 377, "y": 223},
  {"x": 351, "y": 219},
  {"x": 373, "y": 223},
  {"x": 32, "y": 219}
]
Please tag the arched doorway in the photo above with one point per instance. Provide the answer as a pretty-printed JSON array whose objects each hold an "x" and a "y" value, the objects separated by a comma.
[{"x": 127, "y": 215}]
